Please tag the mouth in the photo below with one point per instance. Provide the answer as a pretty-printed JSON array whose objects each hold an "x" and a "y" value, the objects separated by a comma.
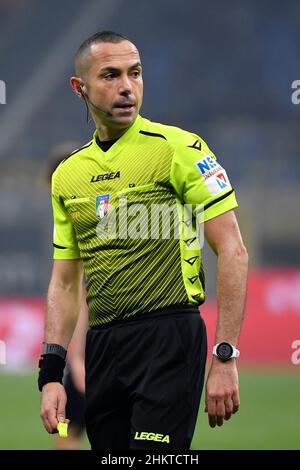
[{"x": 126, "y": 107}]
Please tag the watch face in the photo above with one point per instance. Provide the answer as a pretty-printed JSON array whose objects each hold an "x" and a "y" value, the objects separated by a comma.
[{"x": 224, "y": 351}]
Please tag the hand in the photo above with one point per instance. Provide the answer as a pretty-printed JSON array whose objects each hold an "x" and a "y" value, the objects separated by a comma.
[
  {"x": 222, "y": 391},
  {"x": 53, "y": 405}
]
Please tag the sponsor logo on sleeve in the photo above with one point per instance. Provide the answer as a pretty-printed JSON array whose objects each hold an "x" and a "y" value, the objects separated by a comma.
[{"x": 214, "y": 175}]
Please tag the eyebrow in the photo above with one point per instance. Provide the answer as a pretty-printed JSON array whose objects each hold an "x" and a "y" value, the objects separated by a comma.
[{"x": 114, "y": 69}]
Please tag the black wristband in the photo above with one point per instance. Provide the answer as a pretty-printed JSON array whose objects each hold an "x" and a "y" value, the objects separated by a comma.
[{"x": 51, "y": 369}]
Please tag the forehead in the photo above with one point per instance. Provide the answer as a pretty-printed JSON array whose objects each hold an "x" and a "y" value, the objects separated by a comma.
[{"x": 105, "y": 54}]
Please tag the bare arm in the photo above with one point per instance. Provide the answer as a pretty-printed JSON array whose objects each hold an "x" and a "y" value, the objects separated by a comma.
[
  {"x": 63, "y": 301},
  {"x": 77, "y": 346},
  {"x": 63, "y": 305},
  {"x": 223, "y": 235}
]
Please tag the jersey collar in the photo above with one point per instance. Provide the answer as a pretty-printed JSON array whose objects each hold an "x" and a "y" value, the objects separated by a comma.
[{"x": 123, "y": 140}]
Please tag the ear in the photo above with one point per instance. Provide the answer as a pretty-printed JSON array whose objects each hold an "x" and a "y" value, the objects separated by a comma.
[{"x": 78, "y": 86}]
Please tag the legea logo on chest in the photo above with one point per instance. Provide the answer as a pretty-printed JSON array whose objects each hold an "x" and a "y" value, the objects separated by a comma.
[{"x": 105, "y": 176}]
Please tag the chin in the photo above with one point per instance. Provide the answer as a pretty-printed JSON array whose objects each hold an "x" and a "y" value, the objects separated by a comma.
[{"x": 125, "y": 120}]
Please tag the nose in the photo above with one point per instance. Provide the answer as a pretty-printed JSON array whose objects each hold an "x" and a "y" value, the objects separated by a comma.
[{"x": 125, "y": 85}]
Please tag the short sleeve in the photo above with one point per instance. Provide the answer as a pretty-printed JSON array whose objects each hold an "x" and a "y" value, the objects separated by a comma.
[
  {"x": 199, "y": 180},
  {"x": 64, "y": 238}
]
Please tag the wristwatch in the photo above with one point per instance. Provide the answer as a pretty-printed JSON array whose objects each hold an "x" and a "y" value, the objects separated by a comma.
[
  {"x": 225, "y": 351},
  {"x": 53, "y": 348}
]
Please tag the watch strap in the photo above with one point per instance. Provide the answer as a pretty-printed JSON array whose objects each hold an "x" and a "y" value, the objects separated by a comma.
[
  {"x": 53, "y": 348},
  {"x": 235, "y": 352}
]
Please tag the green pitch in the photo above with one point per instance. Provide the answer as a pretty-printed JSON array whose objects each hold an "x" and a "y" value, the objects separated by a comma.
[{"x": 268, "y": 418}]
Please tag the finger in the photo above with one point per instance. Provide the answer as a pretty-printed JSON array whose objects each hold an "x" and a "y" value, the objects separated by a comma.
[
  {"x": 212, "y": 419},
  {"x": 54, "y": 431},
  {"x": 61, "y": 408},
  {"x": 211, "y": 410},
  {"x": 220, "y": 411},
  {"x": 47, "y": 425},
  {"x": 51, "y": 417},
  {"x": 228, "y": 408},
  {"x": 236, "y": 401},
  {"x": 48, "y": 417},
  {"x": 220, "y": 420}
]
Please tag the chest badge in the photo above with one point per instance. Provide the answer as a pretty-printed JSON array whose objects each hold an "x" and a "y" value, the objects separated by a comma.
[{"x": 102, "y": 203}]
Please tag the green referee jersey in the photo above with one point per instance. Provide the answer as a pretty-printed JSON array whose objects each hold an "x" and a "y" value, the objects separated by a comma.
[{"x": 131, "y": 214}]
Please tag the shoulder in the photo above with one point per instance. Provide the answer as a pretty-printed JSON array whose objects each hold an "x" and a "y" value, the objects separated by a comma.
[
  {"x": 175, "y": 136},
  {"x": 71, "y": 159}
]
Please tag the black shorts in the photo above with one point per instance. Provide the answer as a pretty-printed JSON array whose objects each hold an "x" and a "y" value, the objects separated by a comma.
[
  {"x": 144, "y": 379},
  {"x": 75, "y": 408}
]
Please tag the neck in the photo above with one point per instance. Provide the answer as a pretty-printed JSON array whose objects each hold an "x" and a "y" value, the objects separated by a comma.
[{"x": 105, "y": 133}]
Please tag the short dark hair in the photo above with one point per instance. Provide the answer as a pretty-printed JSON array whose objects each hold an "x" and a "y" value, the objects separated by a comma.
[{"x": 101, "y": 36}]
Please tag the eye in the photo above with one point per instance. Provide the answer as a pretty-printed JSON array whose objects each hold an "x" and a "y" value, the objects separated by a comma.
[
  {"x": 109, "y": 76},
  {"x": 136, "y": 73}
]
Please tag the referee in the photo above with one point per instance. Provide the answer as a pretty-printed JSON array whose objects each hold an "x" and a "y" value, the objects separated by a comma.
[{"x": 127, "y": 210}]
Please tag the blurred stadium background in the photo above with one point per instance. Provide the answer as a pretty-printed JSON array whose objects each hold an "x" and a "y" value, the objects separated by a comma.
[{"x": 221, "y": 69}]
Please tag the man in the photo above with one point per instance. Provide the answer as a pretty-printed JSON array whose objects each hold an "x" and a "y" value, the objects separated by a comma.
[{"x": 146, "y": 346}]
